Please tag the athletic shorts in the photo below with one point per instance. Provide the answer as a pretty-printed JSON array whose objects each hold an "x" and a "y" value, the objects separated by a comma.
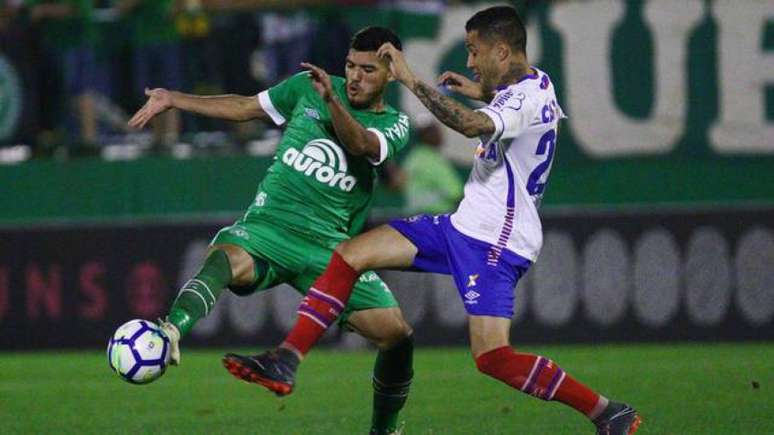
[
  {"x": 285, "y": 257},
  {"x": 485, "y": 277}
]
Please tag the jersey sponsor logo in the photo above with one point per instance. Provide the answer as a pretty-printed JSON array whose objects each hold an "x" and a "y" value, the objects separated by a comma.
[
  {"x": 324, "y": 160},
  {"x": 472, "y": 280},
  {"x": 399, "y": 129}
]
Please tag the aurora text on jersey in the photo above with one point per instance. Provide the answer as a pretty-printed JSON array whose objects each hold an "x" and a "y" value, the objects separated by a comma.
[{"x": 315, "y": 186}]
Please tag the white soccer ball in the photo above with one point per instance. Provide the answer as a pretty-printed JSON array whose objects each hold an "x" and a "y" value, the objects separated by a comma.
[{"x": 138, "y": 351}]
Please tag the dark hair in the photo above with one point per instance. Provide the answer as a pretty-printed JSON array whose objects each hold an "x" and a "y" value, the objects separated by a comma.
[
  {"x": 500, "y": 23},
  {"x": 371, "y": 38}
]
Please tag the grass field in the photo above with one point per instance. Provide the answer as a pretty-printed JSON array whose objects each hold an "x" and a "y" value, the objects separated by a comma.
[{"x": 679, "y": 389}]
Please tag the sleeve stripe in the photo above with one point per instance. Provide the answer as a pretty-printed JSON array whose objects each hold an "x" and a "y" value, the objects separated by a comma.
[
  {"x": 383, "y": 148},
  {"x": 265, "y": 101}
]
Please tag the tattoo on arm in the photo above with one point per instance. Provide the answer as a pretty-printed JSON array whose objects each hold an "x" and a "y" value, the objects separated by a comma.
[{"x": 453, "y": 113}]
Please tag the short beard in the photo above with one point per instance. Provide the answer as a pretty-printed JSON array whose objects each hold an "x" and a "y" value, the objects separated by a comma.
[
  {"x": 367, "y": 104},
  {"x": 360, "y": 106},
  {"x": 487, "y": 90}
]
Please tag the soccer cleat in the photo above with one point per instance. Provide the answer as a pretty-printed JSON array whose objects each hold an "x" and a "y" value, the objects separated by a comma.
[
  {"x": 266, "y": 369},
  {"x": 618, "y": 419},
  {"x": 173, "y": 334}
]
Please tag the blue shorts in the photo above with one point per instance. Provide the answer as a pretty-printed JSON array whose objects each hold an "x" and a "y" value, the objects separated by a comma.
[
  {"x": 486, "y": 288},
  {"x": 83, "y": 72}
]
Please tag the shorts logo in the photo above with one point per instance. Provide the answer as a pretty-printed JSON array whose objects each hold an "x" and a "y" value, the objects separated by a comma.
[
  {"x": 471, "y": 296},
  {"x": 324, "y": 160},
  {"x": 472, "y": 280}
]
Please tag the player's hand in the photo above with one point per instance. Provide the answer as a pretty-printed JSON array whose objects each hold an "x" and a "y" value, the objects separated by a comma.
[
  {"x": 159, "y": 100},
  {"x": 320, "y": 80},
  {"x": 398, "y": 66},
  {"x": 462, "y": 85}
]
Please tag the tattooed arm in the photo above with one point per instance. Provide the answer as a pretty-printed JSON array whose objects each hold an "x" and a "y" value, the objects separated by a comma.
[
  {"x": 451, "y": 112},
  {"x": 448, "y": 110}
]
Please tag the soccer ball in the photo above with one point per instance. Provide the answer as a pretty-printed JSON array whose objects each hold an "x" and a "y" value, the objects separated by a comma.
[{"x": 138, "y": 352}]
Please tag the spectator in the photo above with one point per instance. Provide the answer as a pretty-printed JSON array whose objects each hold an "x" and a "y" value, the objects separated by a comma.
[
  {"x": 432, "y": 183},
  {"x": 287, "y": 39},
  {"x": 69, "y": 36},
  {"x": 156, "y": 56}
]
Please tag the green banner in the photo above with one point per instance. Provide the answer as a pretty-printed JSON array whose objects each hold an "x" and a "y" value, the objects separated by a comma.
[{"x": 669, "y": 102}]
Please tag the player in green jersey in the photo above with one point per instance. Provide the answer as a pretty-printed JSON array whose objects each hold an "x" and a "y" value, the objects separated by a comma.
[{"x": 316, "y": 194}]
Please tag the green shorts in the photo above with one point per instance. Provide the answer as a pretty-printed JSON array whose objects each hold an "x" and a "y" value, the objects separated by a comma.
[{"x": 283, "y": 256}]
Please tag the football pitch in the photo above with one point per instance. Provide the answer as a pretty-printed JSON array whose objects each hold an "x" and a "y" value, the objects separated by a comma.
[{"x": 679, "y": 389}]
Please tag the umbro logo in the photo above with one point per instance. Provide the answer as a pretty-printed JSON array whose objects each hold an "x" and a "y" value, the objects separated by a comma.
[
  {"x": 471, "y": 296},
  {"x": 312, "y": 113},
  {"x": 239, "y": 232}
]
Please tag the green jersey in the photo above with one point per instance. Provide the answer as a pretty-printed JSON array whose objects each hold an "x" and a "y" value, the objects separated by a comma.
[
  {"x": 153, "y": 22},
  {"x": 315, "y": 187},
  {"x": 73, "y": 31}
]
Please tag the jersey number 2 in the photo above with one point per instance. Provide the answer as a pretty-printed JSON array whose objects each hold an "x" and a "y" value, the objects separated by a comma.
[{"x": 546, "y": 145}]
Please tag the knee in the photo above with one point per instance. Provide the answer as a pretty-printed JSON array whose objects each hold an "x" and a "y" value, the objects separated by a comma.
[
  {"x": 395, "y": 333},
  {"x": 348, "y": 252},
  {"x": 240, "y": 262}
]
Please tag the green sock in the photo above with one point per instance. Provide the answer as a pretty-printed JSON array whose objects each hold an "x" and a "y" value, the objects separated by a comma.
[
  {"x": 198, "y": 295},
  {"x": 392, "y": 380}
]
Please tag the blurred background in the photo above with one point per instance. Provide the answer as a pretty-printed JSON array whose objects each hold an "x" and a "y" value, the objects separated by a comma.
[{"x": 658, "y": 218}]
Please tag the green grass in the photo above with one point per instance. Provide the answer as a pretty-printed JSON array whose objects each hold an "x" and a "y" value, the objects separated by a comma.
[{"x": 679, "y": 389}]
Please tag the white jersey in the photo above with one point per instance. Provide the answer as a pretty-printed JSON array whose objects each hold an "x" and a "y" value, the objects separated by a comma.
[{"x": 511, "y": 168}]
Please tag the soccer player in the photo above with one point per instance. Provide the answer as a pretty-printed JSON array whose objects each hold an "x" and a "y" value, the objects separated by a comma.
[
  {"x": 495, "y": 234},
  {"x": 315, "y": 195}
]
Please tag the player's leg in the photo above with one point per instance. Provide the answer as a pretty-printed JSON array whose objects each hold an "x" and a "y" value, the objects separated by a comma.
[
  {"x": 393, "y": 369},
  {"x": 225, "y": 265},
  {"x": 414, "y": 242},
  {"x": 235, "y": 260},
  {"x": 381, "y": 248},
  {"x": 532, "y": 374},
  {"x": 540, "y": 377}
]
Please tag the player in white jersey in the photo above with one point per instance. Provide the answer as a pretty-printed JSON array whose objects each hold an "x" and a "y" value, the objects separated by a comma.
[
  {"x": 495, "y": 235},
  {"x": 511, "y": 168}
]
